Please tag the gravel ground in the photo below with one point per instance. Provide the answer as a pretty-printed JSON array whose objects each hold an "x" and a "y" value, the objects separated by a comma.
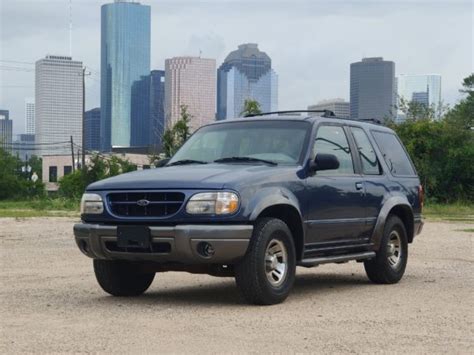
[{"x": 50, "y": 302}]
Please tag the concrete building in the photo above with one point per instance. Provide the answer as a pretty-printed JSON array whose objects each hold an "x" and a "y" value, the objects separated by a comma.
[
  {"x": 30, "y": 116},
  {"x": 58, "y": 103},
  {"x": 340, "y": 107},
  {"x": 92, "y": 129},
  {"x": 190, "y": 81},
  {"x": 373, "y": 89},
  {"x": 157, "y": 108},
  {"x": 246, "y": 74},
  {"x": 6, "y": 130},
  {"x": 125, "y": 70}
]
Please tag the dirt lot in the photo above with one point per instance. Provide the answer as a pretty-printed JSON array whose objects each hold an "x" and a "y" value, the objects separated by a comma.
[{"x": 50, "y": 302}]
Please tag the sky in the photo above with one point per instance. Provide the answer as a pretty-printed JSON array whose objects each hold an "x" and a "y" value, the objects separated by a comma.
[{"x": 311, "y": 42}]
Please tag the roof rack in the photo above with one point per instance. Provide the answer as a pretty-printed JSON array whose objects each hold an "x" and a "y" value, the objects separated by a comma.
[{"x": 326, "y": 113}]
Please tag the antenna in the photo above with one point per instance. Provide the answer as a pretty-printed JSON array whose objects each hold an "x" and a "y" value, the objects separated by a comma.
[{"x": 70, "y": 28}]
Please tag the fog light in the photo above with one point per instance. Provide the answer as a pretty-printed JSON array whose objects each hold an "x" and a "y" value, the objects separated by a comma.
[{"x": 205, "y": 249}]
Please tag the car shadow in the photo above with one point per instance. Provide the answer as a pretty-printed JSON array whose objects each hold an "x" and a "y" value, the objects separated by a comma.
[{"x": 226, "y": 292}]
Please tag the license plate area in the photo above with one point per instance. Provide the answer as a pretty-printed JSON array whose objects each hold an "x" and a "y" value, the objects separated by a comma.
[{"x": 137, "y": 237}]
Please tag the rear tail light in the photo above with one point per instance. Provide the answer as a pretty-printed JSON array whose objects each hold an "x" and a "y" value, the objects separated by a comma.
[{"x": 421, "y": 196}]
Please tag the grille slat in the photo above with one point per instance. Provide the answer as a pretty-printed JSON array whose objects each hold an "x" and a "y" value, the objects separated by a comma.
[{"x": 160, "y": 203}]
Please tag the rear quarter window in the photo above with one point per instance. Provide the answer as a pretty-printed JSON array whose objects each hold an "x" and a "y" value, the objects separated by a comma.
[{"x": 394, "y": 154}]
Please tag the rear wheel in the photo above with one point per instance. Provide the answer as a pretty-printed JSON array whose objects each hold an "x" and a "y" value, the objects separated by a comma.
[
  {"x": 122, "y": 278},
  {"x": 390, "y": 261},
  {"x": 267, "y": 272}
]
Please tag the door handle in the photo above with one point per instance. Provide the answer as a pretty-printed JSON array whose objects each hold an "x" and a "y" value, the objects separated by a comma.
[{"x": 359, "y": 185}]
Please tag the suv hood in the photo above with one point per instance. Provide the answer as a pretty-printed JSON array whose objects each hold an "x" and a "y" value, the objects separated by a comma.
[{"x": 209, "y": 176}]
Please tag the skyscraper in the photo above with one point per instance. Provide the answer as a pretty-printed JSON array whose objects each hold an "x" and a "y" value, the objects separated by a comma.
[
  {"x": 430, "y": 84},
  {"x": 340, "y": 107},
  {"x": 157, "y": 107},
  {"x": 92, "y": 129},
  {"x": 373, "y": 89},
  {"x": 30, "y": 116},
  {"x": 6, "y": 130},
  {"x": 246, "y": 74},
  {"x": 190, "y": 81},
  {"x": 58, "y": 103},
  {"x": 125, "y": 70}
]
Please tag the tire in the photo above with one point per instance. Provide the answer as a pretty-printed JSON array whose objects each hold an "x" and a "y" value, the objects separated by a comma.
[
  {"x": 272, "y": 240},
  {"x": 121, "y": 278},
  {"x": 383, "y": 269}
]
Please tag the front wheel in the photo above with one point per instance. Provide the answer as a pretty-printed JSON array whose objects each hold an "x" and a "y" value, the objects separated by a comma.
[
  {"x": 390, "y": 262},
  {"x": 121, "y": 278},
  {"x": 267, "y": 272}
]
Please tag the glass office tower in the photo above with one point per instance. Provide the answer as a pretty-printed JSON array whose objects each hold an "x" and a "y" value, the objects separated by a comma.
[
  {"x": 157, "y": 107},
  {"x": 125, "y": 70},
  {"x": 373, "y": 89},
  {"x": 414, "y": 87},
  {"x": 246, "y": 74}
]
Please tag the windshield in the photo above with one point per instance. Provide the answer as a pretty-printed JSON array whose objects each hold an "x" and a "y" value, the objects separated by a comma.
[{"x": 273, "y": 141}]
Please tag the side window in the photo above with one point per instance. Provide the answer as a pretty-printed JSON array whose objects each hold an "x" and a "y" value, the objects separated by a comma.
[
  {"x": 370, "y": 163},
  {"x": 53, "y": 174},
  {"x": 67, "y": 169},
  {"x": 333, "y": 140},
  {"x": 394, "y": 154}
]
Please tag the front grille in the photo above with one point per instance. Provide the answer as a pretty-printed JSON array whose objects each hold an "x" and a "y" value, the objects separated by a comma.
[{"x": 145, "y": 204}]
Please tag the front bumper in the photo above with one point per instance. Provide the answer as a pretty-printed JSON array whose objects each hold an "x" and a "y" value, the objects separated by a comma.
[{"x": 170, "y": 244}]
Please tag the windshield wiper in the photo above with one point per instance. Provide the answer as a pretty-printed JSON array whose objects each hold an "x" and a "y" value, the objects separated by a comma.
[
  {"x": 244, "y": 159},
  {"x": 186, "y": 161}
]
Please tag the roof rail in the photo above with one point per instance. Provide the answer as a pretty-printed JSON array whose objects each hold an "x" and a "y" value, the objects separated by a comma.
[
  {"x": 326, "y": 113},
  {"x": 373, "y": 120}
]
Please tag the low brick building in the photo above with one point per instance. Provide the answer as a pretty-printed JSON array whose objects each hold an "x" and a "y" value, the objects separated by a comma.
[{"x": 57, "y": 166}]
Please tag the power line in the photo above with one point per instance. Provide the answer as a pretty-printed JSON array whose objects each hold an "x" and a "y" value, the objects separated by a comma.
[
  {"x": 34, "y": 144},
  {"x": 16, "y": 62},
  {"x": 10, "y": 68}
]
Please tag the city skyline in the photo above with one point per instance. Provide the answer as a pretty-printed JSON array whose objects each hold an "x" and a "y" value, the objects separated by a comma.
[{"x": 319, "y": 70}]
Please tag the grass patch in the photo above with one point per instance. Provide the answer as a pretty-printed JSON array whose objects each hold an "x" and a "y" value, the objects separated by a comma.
[
  {"x": 457, "y": 212},
  {"x": 468, "y": 230},
  {"x": 46, "y": 207}
]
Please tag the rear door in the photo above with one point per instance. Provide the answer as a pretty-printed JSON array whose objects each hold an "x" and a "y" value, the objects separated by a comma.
[{"x": 335, "y": 198}]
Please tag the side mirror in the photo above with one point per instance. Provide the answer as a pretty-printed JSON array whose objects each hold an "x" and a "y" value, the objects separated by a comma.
[
  {"x": 325, "y": 162},
  {"x": 162, "y": 162}
]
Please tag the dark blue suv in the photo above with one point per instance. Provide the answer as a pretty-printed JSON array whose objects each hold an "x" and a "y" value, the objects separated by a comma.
[{"x": 254, "y": 198}]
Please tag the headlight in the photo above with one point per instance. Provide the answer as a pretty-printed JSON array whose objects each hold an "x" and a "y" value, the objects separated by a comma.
[
  {"x": 91, "y": 204},
  {"x": 213, "y": 203}
]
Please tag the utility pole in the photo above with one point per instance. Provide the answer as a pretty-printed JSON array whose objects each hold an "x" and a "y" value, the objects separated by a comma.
[
  {"x": 83, "y": 118},
  {"x": 72, "y": 155}
]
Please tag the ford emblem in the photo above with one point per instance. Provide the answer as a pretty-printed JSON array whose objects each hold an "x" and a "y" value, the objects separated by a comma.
[{"x": 143, "y": 203}]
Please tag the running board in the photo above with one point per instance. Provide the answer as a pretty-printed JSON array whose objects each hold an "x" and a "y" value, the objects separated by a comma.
[{"x": 336, "y": 258}]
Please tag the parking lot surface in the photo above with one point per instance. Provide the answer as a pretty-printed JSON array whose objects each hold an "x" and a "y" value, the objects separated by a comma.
[{"x": 50, "y": 302}]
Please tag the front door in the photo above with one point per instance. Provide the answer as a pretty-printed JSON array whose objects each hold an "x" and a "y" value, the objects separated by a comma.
[{"x": 335, "y": 198}]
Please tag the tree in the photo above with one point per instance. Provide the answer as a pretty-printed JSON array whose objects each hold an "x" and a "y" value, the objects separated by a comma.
[
  {"x": 251, "y": 107},
  {"x": 414, "y": 110},
  {"x": 443, "y": 150},
  {"x": 174, "y": 137},
  {"x": 14, "y": 183},
  {"x": 100, "y": 167}
]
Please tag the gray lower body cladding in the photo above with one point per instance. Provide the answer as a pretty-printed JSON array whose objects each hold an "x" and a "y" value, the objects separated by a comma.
[{"x": 180, "y": 244}]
